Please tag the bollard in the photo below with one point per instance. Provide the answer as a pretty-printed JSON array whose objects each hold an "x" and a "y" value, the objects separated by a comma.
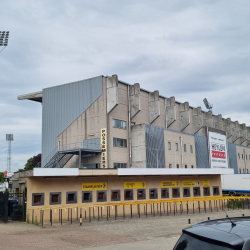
[
  {"x": 101, "y": 212},
  {"x": 243, "y": 215},
  {"x": 187, "y": 207},
  {"x": 123, "y": 209},
  {"x": 131, "y": 210},
  {"x": 50, "y": 217},
  {"x": 71, "y": 216},
  {"x": 98, "y": 214},
  {"x": 89, "y": 214},
  {"x": 193, "y": 207},
  {"x": 208, "y": 218},
  {"x": 189, "y": 222},
  {"x": 107, "y": 213},
  {"x": 154, "y": 209},
  {"x": 33, "y": 216},
  {"x": 42, "y": 217},
  {"x": 160, "y": 209},
  {"x": 80, "y": 219},
  {"x": 115, "y": 211},
  {"x": 77, "y": 214},
  {"x": 68, "y": 214},
  {"x": 61, "y": 216},
  {"x": 146, "y": 210},
  {"x": 138, "y": 207},
  {"x": 167, "y": 209}
]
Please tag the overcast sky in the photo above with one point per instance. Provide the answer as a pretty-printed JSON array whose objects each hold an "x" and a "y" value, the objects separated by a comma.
[{"x": 187, "y": 49}]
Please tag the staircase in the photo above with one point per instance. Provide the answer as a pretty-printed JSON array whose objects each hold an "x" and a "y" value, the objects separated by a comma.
[{"x": 59, "y": 160}]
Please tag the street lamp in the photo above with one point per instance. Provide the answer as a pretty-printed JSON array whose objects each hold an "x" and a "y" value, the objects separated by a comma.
[{"x": 4, "y": 39}]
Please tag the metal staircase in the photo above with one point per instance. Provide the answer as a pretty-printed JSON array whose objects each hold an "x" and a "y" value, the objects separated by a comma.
[{"x": 59, "y": 160}]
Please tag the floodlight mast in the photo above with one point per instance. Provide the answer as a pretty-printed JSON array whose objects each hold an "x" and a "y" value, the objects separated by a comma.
[
  {"x": 4, "y": 39},
  {"x": 208, "y": 105},
  {"x": 9, "y": 138}
]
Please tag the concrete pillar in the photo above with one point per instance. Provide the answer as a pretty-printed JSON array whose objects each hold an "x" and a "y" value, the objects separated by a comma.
[
  {"x": 112, "y": 93},
  {"x": 198, "y": 119},
  {"x": 208, "y": 119},
  {"x": 135, "y": 99},
  {"x": 154, "y": 106},
  {"x": 170, "y": 110},
  {"x": 227, "y": 127},
  {"x": 243, "y": 133},
  {"x": 235, "y": 131},
  {"x": 184, "y": 115},
  {"x": 218, "y": 122}
]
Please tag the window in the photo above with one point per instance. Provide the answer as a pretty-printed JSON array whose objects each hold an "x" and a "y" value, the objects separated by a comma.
[
  {"x": 192, "y": 166},
  {"x": 169, "y": 145},
  {"x": 243, "y": 170},
  {"x": 239, "y": 155},
  {"x": 186, "y": 166},
  {"x": 71, "y": 197},
  {"x": 115, "y": 195},
  {"x": 246, "y": 157},
  {"x": 175, "y": 192},
  {"x": 170, "y": 165},
  {"x": 247, "y": 170},
  {"x": 216, "y": 191},
  {"x": 153, "y": 193},
  {"x": 191, "y": 148},
  {"x": 55, "y": 198},
  {"x": 206, "y": 191},
  {"x": 240, "y": 170},
  {"x": 177, "y": 165},
  {"x": 119, "y": 124},
  {"x": 128, "y": 194},
  {"x": 185, "y": 148},
  {"x": 186, "y": 192},
  {"x": 101, "y": 196},
  {"x": 86, "y": 196},
  {"x": 120, "y": 165},
  {"x": 242, "y": 156},
  {"x": 164, "y": 193},
  {"x": 141, "y": 194},
  {"x": 176, "y": 146},
  {"x": 197, "y": 191},
  {"x": 38, "y": 199},
  {"x": 117, "y": 142},
  {"x": 249, "y": 157}
]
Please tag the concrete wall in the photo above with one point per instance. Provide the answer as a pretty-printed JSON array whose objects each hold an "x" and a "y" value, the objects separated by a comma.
[
  {"x": 63, "y": 185},
  {"x": 173, "y": 156}
]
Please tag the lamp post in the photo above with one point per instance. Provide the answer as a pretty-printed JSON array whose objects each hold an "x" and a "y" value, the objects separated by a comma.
[{"x": 4, "y": 39}]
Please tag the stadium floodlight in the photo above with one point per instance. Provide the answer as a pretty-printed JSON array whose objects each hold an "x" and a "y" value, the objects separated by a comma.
[
  {"x": 207, "y": 104},
  {"x": 4, "y": 39},
  {"x": 9, "y": 138}
]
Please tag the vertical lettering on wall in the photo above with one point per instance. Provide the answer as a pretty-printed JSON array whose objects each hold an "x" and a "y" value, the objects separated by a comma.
[{"x": 104, "y": 148}]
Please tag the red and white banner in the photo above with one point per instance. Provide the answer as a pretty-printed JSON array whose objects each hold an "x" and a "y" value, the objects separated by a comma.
[{"x": 218, "y": 150}]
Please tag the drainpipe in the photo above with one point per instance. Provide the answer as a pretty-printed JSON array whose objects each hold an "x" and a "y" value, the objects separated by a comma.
[
  {"x": 181, "y": 152},
  {"x": 245, "y": 160},
  {"x": 129, "y": 129}
]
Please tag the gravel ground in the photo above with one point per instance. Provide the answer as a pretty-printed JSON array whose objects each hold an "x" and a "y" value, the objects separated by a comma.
[{"x": 160, "y": 232}]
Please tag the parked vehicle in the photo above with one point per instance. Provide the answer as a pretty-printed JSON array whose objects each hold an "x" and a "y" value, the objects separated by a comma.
[
  {"x": 236, "y": 184},
  {"x": 221, "y": 234}
]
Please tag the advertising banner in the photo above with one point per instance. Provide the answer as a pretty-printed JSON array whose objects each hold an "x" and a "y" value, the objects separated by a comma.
[
  {"x": 218, "y": 149},
  {"x": 94, "y": 186},
  {"x": 138, "y": 184},
  {"x": 167, "y": 184},
  {"x": 190, "y": 183},
  {"x": 206, "y": 183},
  {"x": 104, "y": 148}
]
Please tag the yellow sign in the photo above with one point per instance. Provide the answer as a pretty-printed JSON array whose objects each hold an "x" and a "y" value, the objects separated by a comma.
[
  {"x": 94, "y": 186},
  {"x": 104, "y": 148},
  {"x": 167, "y": 184},
  {"x": 128, "y": 185},
  {"x": 190, "y": 183},
  {"x": 206, "y": 183}
]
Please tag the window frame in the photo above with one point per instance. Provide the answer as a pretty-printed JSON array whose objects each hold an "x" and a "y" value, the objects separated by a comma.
[
  {"x": 120, "y": 165},
  {"x": 188, "y": 194},
  {"x": 185, "y": 147},
  {"x": 191, "y": 149},
  {"x": 178, "y": 192},
  {"x": 176, "y": 146},
  {"x": 59, "y": 198},
  {"x": 208, "y": 191},
  {"x": 90, "y": 195},
  {"x": 169, "y": 145},
  {"x": 155, "y": 194},
  {"x": 131, "y": 196},
  {"x": 75, "y": 197},
  {"x": 143, "y": 194},
  {"x": 218, "y": 190},
  {"x": 121, "y": 122},
  {"x": 104, "y": 196},
  {"x": 120, "y": 141},
  {"x": 42, "y": 199},
  {"x": 165, "y": 196},
  {"x": 118, "y": 195},
  {"x": 199, "y": 191}
]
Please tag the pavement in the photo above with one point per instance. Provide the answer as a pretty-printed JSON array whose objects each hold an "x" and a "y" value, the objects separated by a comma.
[{"x": 160, "y": 232}]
